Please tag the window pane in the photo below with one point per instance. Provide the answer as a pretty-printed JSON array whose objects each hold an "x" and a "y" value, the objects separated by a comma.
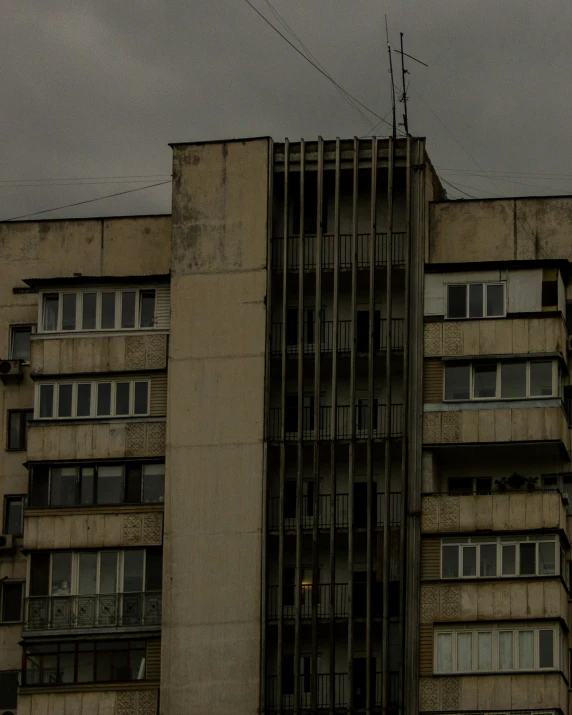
[
  {"x": 527, "y": 559},
  {"x": 84, "y": 399},
  {"x": 485, "y": 380},
  {"x": 104, "y": 398},
  {"x": 86, "y": 485},
  {"x": 141, "y": 398},
  {"x": 87, "y": 581},
  {"x": 14, "y": 516},
  {"x": 506, "y": 650},
  {"x": 122, "y": 392},
  {"x": 51, "y": 304},
  {"x": 65, "y": 400},
  {"x": 63, "y": 486},
  {"x": 464, "y": 651},
  {"x": 154, "y": 570},
  {"x": 8, "y": 690},
  {"x": 488, "y": 559},
  {"x": 108, "y": 572},
  {"x": 513, "y": 379},
  {"x": 541, "y": 378},
  {"x": 450, "y": 561},
  {"x": 153, "y": 483},
  {"x": 89, "y": 303},
  {"x": 21, "y": 343},
  {"x": 39, "y": 495},
  {"x": 508, "y": 560},
  {"x": 128, "y": 309},
  {"x": 526, "y": 649},
  {"x": 457, "y": 301},
  {"x": 108, "y": 311},
  {"x": 469, "y": 560},
  {"x": 147, "y": 309},
  {"x": 61, "y": 573},
  {"x": 46, "y": 400},
  {"x": 39, "y": 573},
  {"x": 68, "y": 311},
  {"x": 546, "y": 557},
  {"x": 133, "y": 571},
  {"x": 137, "y": 658},
  {"x": 485, "y": 648},
  {"x": 546, "y": 649},
  {"x": 133, "y": 484},
  {"x": 110, "y": 485},
  {"x": 444, "y": 653},
  {"x": 15, "y": 430},
  {"x": 476, "y": 300},
  {"x": 495, "y": 300},
  {"x": 67, "y": 667},
  {"x": 85, "y": 667},
  {"x": 112, "y": 665},
  {"x": 457, "y": 382}
]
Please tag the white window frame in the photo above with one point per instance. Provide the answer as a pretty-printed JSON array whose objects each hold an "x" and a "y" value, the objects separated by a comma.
[
  {"x": 558, "y": 658},
  {"x": 498, "y": 384},
  {"x": 93, "y": 403},
  {"x": 464, "y": 542},
  {"x": 485, "y": 285},
  {"x": 98, "y": 292}
]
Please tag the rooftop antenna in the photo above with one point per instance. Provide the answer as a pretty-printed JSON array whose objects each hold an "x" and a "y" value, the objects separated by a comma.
[
  {"x": 403, "y": 97},
  {"x": 392, "y": 82}
]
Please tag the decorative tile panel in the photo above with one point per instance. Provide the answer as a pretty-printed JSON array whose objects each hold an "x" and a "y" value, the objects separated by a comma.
[
  {"x": 135, "y": 440},
  {"x": 131, "y": 530},
  {"x": 156, "y": 439},
  {"x": 448, "y": 507},
  {"x": 126, "y": 703},
  {"x": 452, "y": 339},
  {"x": 431, "y": 427},
  {"x": 152, "y": 529},
  {"x": 147, "y": 704},
  {"x": 450, "y": 693},
  {"x": 429, "y": 514},
  {"x": 432, "y": 339},
  {"x": 450, "y": 603},
  {"x": 135, "y": 352},
  {"x": 428, "y": 694},
  {"x": 156, "y": 351},
  {"x": 451, "y": 426},
  {"x": 429, "y": 604}
]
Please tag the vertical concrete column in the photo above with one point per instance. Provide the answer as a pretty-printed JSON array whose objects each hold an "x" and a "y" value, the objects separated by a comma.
[{"x": 215, "y": 442}]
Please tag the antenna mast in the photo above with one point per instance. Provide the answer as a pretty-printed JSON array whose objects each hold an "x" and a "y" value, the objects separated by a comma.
[
  {"x": 392, "y": 82},
  {"x": 404, "y": 95}
]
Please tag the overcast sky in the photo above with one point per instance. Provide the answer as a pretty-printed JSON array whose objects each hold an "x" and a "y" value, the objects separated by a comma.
[{"x": 97, "y": 88}]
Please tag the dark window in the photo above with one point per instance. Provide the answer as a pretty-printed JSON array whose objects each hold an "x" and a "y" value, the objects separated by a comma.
[
  {"x": 291, "y": 416},
  {"x": 546, "y": 648},
  {"x": 46, "y": 400},
  {"x": 64, "y": 481},
  {"x": 110, "y": 485},
  {"x": 18, "y": 428},
  {"x": 310, "y": 206},
  {"x": 108, "y": 311},
  {"x": 460, "y": 486},
  {"x": 287, "y": 674},
  {"x": 39, "y": 573},
  {"x": 133, "y": 571},
  {"x": 153, "y": 483},
  {"x": 104, "y": 398},
  {"x": 40, "y": 485},
  {"x": 290, "y": 499},
  {"x": 541, "y": 378},
  {"x": 527, "y": 559},
  {"x": 8, "y": 690},
  {"x": 84, "y": 399},
  {"x": 128, "y": 309},
  {"x": 485, "y": 381},
  {"x": 288, "y": 586},
  {"x": 65, "y": 394},
  {"x": 450, "y": 561},
  {"x": 133, "y": 484},
  {"x": 12, "y": 602},
  {"x": 141, "y": 400},
  {"x": 495, "y": 300},
  {"x": 68, "y": 311},
  {"x": 87, "y": 486},
  {"x": 89, "y": 311},
  {"x": 51, "y": 309},
  {"x": 457, "y": 301},
  {"x": 20, "y": 343},
  {"x": 14, "y": 515},
  {"x": 513, "y": 379},
  {"x": 291, "y": 327},
  {"x": 483, "y": 485},
  {"x": 122, "y": 394},
  {"x": 550, "y": 288},
  {"x": 154, "y": 570},
  {"x": 457, "y": 382},
  {"x": 475, "y": 300},
  {"x": 147, "y": 309}
]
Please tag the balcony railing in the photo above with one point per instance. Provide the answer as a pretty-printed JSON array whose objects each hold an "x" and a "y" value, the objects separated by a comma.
[
  {"x": 323, "y": 694},
  {"x": 323, "y": 516},
  {"x": 381, "y": 250},
  {"x": 111, "y": 610},
  {"x": 345, "y": 430},
  {"x": 322, "y": 594},
  {"x": 326, "y": 342}
]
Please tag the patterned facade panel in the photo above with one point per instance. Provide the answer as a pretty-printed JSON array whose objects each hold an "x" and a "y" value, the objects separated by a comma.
[
  {"x": 145, "y": 439},
  {"x": 429, "y": 604},
  {"x": 429, "y": 514},
  {"x": 432, "y": 339},
  {"x": 431, "y": 427},
  {"x": 452, "y": 339},
  {"x": 451, "y": 426},
  {"x": 439, "y": 694},
  {"x": 142, "y": 529},
  {"x": 135, "y": 352}
]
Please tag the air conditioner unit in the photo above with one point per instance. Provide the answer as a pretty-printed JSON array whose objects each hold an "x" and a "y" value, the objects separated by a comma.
[
  {"x": 6, "y": 542},
  {"x": 10, "y": 370}
]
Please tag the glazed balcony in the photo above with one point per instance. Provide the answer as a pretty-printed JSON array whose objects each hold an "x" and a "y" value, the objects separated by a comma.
[{"x": 381, "y": 250}]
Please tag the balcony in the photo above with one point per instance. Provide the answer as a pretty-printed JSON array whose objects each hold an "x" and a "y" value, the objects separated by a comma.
[
  {"x": 341, "y": 608},
  {"x": 510, "y": 511},
  {"x": 325, "y": 344},
  {"x": 345, "y": 428},
  {"x": 342, "y": 514},
  {"x": 381, "y": 250},
  {"x": 113, "y": 610},
  {"x": 323, "y": 693}
]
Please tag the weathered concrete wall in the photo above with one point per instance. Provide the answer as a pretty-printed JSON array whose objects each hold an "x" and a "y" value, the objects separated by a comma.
[
  {"x": 98, "y": 701},
  {"x": 500, "y": 230},
  {"x": 215, "y": 450}
]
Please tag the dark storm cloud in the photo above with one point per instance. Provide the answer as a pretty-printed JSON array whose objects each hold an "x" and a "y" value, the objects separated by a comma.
[{"x": 94, "y": 88}]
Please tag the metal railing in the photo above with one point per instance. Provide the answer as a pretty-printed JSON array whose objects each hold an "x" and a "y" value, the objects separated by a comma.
[
  {"x": 364, "y": 249},
  {"x": 93, "y": 611},
  {"x": 342, "y": 515},
  {"x": 346, "y": 430},
  {"x": 326, "y": 342},
  {"x": 322, "y": 604}
]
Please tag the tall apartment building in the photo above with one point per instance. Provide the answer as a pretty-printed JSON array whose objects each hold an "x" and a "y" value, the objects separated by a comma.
[{"x": 301, "y": 446}]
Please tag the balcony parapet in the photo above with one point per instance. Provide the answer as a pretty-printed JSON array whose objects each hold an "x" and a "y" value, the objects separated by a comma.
[{"x": 510, "y": 511}]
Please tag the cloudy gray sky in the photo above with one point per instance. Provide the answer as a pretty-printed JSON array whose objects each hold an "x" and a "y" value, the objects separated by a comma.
[{"x": 97, "y": 88}]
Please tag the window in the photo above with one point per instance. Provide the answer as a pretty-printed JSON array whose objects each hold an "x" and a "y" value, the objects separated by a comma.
[
  {"x": 20, "y": 342},
  {"x": 504, "y": 380},
  {"x": 497, "y": 649},
  {"x": 8, "y": 690},
  {"x": 98, "y": 310},
  {"x": 74, "y": 485},
  {"x": 476, "y": 300},
  {"x": 18, "y": 428},
  {"x": 14, "y": 515},
  {"x": 550, "y": 289},
  {"x": 493, "y": 557},
  {"x": 84, "y": 662},
  {"x": 465, "y": 486},
  {"x": 65, "y": 400},
  {"x": 11, "y": 597}
]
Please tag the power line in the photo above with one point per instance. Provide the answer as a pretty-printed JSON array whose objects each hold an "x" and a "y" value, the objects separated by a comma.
[
  {"x": 73, "y": 183},
  {"x": 518, "y": 174},
  {"x": 87, "y": 201},
  {"x": 86, "y": 178},
  {"x": 320, "y": 70}
]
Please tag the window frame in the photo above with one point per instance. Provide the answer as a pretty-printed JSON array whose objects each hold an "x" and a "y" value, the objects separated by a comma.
[
  {"x": 467, "y": 285},
  {"x": 79, "y": 300},
  {"x": 498, "y": 384},
  {"x": 21, "y": 328},
  {"x": 500, "y": 541},
  {"x": 24, "y": 420},
  {"x": 93, "y": 413},
  {"x": 3, "y": 586},
  {"x": 9, "y": 499},
  {"x": 558, "y": 657}
]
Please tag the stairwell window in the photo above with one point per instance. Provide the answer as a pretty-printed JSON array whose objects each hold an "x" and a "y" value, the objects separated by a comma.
[{"x": 476, "y": 300}]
